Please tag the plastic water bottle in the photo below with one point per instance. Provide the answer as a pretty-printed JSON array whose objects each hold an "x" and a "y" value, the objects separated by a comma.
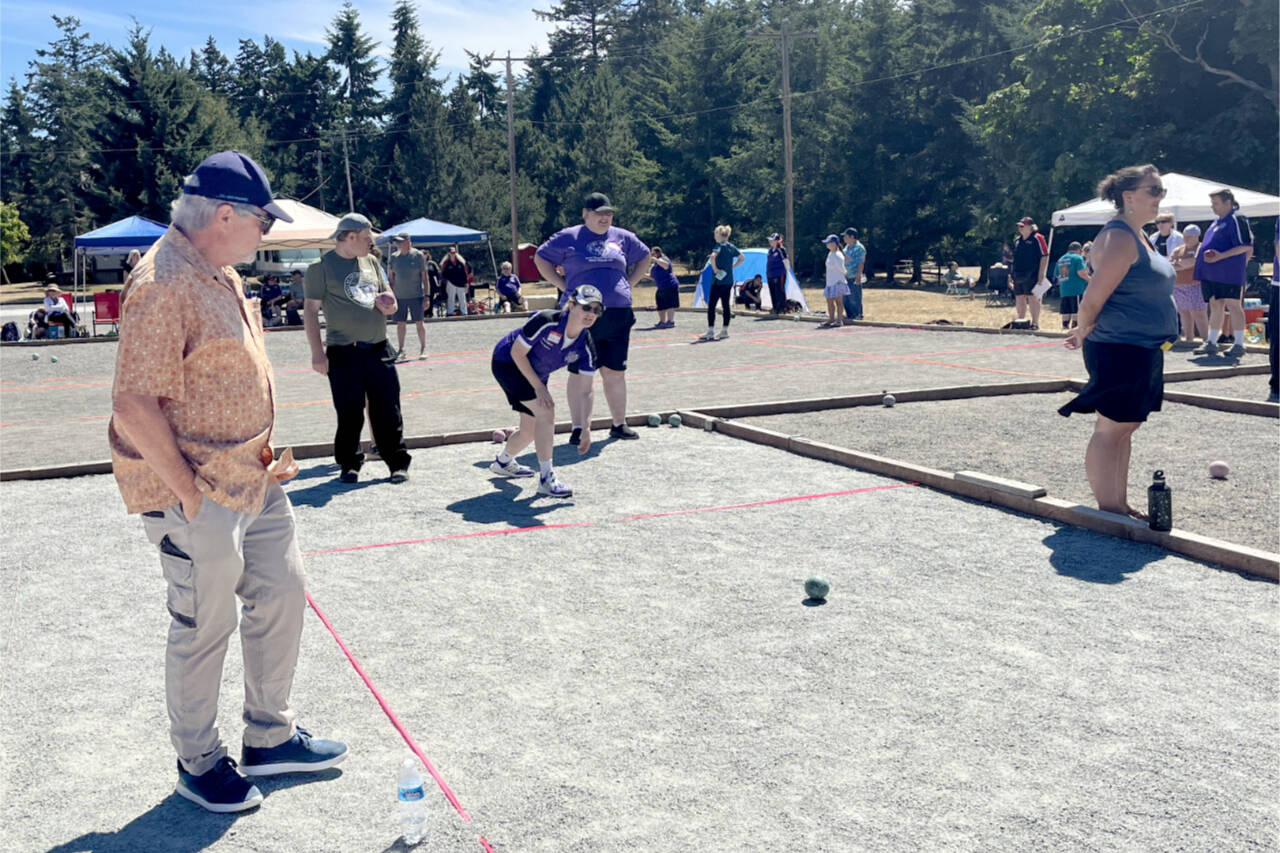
[
  {"x": 413, "y": 802},
  {"x": 1159, "y": 504}
]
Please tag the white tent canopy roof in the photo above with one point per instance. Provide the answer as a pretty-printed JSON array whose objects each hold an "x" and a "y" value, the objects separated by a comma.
[
  {"x": 1188, "y": 201},
  {"x": 310, "y": 228}
]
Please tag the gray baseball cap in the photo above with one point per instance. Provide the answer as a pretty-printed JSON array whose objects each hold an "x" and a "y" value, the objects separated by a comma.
[
  {"x": 586, "y": 294},
  {"x": 351, "y": 222}
]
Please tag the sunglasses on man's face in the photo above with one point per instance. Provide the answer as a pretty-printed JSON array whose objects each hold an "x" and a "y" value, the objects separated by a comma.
[{"x": 265, "y": 220}]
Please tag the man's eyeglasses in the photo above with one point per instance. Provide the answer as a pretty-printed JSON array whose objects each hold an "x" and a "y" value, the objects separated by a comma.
[
  {"x": 265, "y": 220},
  {"x": 594, "y": 308},
  {"x": 1155, "y": 190}
]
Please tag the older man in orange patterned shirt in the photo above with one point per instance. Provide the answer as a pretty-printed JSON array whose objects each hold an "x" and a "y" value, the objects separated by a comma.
[{"x": 193, "y": 408}]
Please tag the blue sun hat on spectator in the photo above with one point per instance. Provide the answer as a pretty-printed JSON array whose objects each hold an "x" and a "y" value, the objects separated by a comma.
[
  {"x": 832, "y": 238},
  {"x": 232, "y": 176}
]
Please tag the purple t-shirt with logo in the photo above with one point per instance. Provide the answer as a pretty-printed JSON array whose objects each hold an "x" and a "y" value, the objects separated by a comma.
[
  {"x": 1223, "y": 235},
  {"x": 544, "y": 335},
  {"x": 596, "y": 259},
  {"x": 508, "y": 285}
]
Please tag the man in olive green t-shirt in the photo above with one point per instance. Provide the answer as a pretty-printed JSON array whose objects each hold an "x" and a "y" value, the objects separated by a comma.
[{"x": 350, "y": 287}]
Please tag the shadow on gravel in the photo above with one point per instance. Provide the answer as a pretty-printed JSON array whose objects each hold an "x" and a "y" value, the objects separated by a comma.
[
  {"x": 175, "y": 825},
  {"x": 1088, "y": 556},
  {"x": 321, "y": 493},
  {"x": 505, "y": 506},
  {"x": 324, "y": 469}
]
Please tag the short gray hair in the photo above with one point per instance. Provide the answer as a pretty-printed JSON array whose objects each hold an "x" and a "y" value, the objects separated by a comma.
[{"x": 194, "y": 213}]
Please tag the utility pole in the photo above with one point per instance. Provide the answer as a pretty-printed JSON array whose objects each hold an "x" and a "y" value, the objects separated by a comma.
[
  {"x": 346, "y": 158},
  {"x": 511, "y": 166},
  {"x": 789, "y": 226},
  {"x": 511, "y": 157}
]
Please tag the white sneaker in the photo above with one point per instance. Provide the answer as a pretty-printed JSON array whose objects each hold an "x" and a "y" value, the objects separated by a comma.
[
  {"x": 724, "y": 333},
  {"x": 709, "y": 336},
  {"x": 511, "y": 469},
  {"x": 551, "y": 485}
]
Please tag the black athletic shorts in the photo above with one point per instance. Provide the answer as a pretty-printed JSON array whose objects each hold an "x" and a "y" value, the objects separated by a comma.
[
  {"x": 666, "y": 297},
  {"x": 1024, "y": 283},
  {"x": 1220, "y": 290},
  {"x": 514, "y": 385},
  {"x": 612, "y": 334},
  {"x": 1069, "y": 305}
]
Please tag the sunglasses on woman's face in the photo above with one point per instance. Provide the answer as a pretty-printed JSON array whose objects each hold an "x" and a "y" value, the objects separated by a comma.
[
  {"x": 1154, "y": 190},
  {"x": 594, "y": 308}
]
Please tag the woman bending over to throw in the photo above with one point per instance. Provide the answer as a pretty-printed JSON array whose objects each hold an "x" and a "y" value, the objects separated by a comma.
[{"x": 1127, "y": 321}]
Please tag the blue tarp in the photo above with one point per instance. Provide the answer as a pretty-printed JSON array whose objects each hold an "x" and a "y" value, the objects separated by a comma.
[
  {"x": 429, "y": 232},
  {"x": 753, "y": 265},
  {"x": 134, "y": 232}
]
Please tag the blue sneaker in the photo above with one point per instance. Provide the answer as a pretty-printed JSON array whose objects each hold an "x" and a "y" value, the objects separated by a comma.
[
  {"x": 219, "y": 789},
  {"x": 299, "y": 754}
]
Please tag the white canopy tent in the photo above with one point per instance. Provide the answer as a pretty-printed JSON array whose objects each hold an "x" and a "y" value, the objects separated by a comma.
[
  {"x": 310, "y": 228},
  {"x": 1187, "y": 200}
]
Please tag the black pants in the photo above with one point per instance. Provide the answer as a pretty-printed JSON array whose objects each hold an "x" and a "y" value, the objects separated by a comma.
[
  {"x": 722, "y": 293},
  {"x": 778, "y": 293},
  {"x": 68, "y": 324},
  {"x": 356, "y": 374},
  {"x": 1273, "y": 337}
]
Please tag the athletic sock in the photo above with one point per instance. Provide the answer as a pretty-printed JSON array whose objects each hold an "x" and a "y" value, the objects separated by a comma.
[
  {"x": 620, "y": 426},
  {"x": 545, "y": 468},
  {"x": 1213, "y": 336},
  {"x": 504, "y": 458}
]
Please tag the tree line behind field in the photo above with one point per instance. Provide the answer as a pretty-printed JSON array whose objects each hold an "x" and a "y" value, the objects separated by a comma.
[{"x": 931, "y": 125}]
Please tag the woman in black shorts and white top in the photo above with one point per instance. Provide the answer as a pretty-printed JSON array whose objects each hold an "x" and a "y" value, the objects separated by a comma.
[{"x": 1127, "y": 322}]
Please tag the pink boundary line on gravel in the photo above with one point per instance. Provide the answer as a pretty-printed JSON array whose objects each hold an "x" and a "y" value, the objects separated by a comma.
[
  {"x": 395, "y": 721},
  {"x": 767, "y": 502}
]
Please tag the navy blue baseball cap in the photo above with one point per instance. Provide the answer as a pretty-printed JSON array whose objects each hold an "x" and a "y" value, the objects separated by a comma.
[{"x": 232, "y": 176}]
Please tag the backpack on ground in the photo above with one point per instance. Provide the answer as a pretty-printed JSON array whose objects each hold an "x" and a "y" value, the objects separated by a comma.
[{"x": 9, "y": 332}]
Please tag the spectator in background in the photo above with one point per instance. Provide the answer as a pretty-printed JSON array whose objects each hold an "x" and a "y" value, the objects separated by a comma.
[
  {"x": 409, "y": 284},
  {"x": 749, "y": 294},
  {"x": 1193, "y": 311},
  {"x": 270, "y": 298},
  {"x": 509, "y": 290},
  {"x": 1073, "y": 278},
  {"x": 1167, "y": 238},
  {"x": 837, "y": 284},
  {"x": 724, "y": 258},
  {"x": 56, "y": 310},
  {"x": 456, "y": 273},
  {"x": 435, "y": 285},
  {"x": 297, "y": 296},
  {"x": 667, "y": 296},
  {"x": 1220, "y": 268},
  {"x": 1030, "y": 263},
  {"x": 954, "y": 278},
  {"x": 855, "y": 256},
  {"x": 1006, "y": 255},
  {"x": 775, "y": 270}
]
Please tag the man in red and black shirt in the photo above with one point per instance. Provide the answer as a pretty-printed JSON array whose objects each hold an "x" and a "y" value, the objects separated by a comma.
[{"x": 1030, "y": 261}]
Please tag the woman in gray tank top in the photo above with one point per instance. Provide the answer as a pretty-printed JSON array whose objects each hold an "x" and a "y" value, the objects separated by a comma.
[{"x": 1127, "y": 321}]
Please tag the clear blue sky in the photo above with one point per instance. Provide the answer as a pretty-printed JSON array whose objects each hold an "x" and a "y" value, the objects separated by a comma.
[{"x": 481, "y": 26}]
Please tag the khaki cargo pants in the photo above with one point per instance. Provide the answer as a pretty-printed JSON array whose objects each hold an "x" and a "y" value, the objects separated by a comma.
[{"x": 208, "y": 563}]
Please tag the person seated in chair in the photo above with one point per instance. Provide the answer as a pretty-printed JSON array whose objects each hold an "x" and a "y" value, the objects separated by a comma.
[
  {"x": 271, "y": 295},
  {"x": 749, "y": 295},
  {"x": 295, "y": 298},
  {"x": 954, "y": 278},
  {"x": 509, "y": 295},
  {"x": 57, "y": 311}
]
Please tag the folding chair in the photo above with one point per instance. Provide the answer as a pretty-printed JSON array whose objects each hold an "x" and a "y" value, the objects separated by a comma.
[
  {"x": 106, "y": 309},
  {"x": 998, "y": 290}
]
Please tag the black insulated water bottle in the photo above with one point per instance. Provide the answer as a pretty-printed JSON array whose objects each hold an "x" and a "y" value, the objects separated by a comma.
[{"x": 1159, "y": 503}]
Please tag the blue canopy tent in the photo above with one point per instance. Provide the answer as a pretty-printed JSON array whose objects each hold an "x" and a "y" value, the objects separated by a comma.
[
  {"x": 118, "y": 238},
  {"x": 753, "y": 265},
  {"x": 430, "y": 232}
]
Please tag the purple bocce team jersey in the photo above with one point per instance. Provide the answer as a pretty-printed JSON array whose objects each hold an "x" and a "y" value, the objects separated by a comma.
[
  {"x": 596, "y": 259},
  {"x": 544, "y": 334}
]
